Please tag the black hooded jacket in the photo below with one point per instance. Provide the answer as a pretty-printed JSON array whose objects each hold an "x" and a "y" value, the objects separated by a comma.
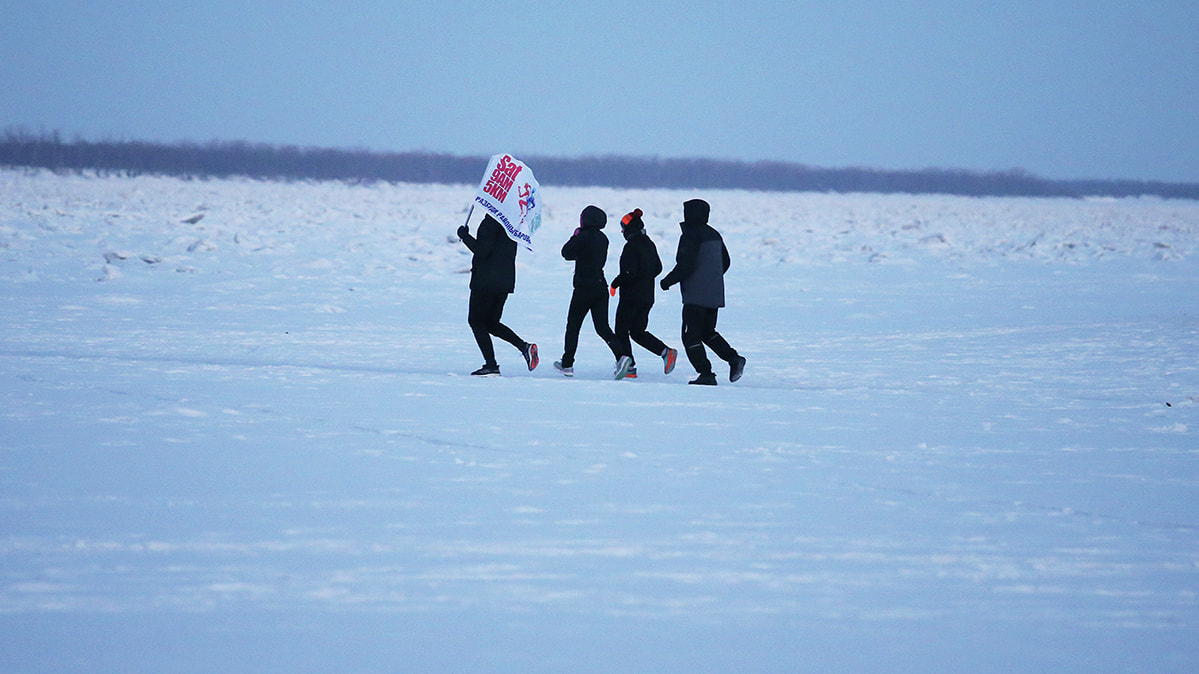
[
  {"x": 639, "y": 266},
  {"x": 589, "y": 249},
  {"x": 493, "y": 267}
]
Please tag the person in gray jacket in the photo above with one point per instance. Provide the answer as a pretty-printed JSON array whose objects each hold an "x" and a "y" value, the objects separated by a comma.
[{"x": 700, "y": 264}]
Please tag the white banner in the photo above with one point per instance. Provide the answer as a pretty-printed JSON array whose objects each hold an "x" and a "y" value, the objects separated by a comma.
[{"x": 511, "y": 195}]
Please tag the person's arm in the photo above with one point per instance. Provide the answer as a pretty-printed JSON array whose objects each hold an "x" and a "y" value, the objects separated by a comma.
[
  {"x": 685, "y": 261},
  {"x": 464, "y": 234},
  {"x": 485, "y": 243},
  {"x": 629, "y": 267},
  {"x": 571, "y": 249}
]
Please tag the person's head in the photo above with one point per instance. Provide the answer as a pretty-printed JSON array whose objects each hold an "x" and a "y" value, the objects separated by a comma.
[
  {"x": 631, "y": 224},
  {"x": 695, "y": 212},
  {"x": 593, "y": 217}
]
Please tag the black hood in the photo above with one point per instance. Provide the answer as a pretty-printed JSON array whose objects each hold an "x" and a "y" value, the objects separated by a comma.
[
  {"x": 593, "y": 217},
  {"x": 695, "y": 212}
]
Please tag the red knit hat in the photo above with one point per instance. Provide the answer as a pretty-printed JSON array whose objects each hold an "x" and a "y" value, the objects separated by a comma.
[{"x": 632, "y": 221}]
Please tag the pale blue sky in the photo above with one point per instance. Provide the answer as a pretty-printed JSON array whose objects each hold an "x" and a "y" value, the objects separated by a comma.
[{"x": 1062, "y": 88}]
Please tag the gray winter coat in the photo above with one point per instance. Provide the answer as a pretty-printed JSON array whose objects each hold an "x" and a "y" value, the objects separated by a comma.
[{"x": 700, "y": 264}]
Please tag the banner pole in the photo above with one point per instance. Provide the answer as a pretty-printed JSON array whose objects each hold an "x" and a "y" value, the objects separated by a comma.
[{"x": 469, "y": 213}]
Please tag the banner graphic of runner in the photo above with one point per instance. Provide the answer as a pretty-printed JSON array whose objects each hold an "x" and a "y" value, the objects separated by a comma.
[{"x": 510, "y": 193}]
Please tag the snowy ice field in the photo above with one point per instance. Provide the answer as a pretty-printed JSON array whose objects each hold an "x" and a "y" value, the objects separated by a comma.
[{"x": 966, "y": 439}]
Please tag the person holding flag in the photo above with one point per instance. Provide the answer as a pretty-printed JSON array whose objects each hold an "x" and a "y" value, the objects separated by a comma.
[{"x": 493, "y": 261}]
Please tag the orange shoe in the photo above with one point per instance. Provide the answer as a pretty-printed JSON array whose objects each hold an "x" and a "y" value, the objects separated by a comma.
[{"x": 669, "y": 358}]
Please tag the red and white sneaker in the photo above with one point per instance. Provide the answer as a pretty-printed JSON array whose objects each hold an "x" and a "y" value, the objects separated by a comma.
[
  {"x": 669, "y": 358},
  {"x": 622, "y": 367},
  {"x": 530, "y": 353}
]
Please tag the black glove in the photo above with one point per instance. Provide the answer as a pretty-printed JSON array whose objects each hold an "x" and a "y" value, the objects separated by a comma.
[
  {"x": 664, "y": 284},
  {"x": 463, "y": 232}
]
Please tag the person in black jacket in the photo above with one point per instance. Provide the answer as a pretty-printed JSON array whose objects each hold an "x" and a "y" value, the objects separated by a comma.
[
  {"x": 700, "y": 264},
  {"x": 639, "y": 266},
  {"x": 588, "y": 248},
  {"x": 492, "y": 279}
]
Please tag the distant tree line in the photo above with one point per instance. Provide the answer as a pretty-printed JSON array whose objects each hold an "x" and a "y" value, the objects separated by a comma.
[{"x": 220, "y": 159}]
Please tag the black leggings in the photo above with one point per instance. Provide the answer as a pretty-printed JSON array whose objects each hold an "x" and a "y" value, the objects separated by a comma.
[
  {"x": 584, "y": 301},
  {"x": 632, "y": 319},
  {"x": 486, "y": 309}
]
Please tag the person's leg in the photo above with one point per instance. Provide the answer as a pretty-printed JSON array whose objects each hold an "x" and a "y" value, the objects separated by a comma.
[
  {"x": 574, "y": 322},
  {"x": 726, "y": 352},
  {"x": 717, "y": 343},
  {"x": 509, "y": 335},
  {"x": 695, "y": 321},
  {"x": 479, "y": 318},
  {"x": 500, "y": 330},
  {"x": 638, "y": 332},
  {"x": 625, "y": 321},
  {"x": 598, "y": 306}
]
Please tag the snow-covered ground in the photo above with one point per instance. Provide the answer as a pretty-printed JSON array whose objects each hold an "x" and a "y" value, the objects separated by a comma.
[{"x": 237, "y": 433}]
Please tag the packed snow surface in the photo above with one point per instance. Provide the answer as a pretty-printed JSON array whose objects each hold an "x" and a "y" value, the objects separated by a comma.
[{"x": 238, "y": 433}]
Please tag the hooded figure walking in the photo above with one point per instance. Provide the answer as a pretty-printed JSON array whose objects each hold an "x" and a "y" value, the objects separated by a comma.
[
  {"x": 588, "y": 248},
  {"x": 492, "y": 279},
  {"x": 639, "y": 266},
  {"x": 700, "y": 264}
]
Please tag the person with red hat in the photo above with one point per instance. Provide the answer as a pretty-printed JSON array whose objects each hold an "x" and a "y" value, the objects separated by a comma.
[{"x": 639, "y": 266}]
